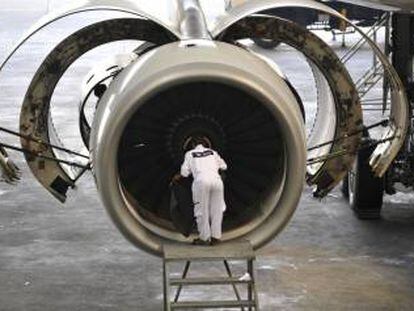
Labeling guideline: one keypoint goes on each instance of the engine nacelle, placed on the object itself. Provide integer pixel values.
(220, 91)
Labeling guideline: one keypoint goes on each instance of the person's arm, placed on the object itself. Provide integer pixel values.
(186, 168)
(222, 165)
(184, 172)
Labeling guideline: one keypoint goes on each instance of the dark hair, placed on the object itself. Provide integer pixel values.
(199, 140)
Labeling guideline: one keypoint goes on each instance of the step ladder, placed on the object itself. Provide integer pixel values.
(370, 79)
(376, 72)
(222, 253)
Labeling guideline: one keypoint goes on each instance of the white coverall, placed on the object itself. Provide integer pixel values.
(208, 189)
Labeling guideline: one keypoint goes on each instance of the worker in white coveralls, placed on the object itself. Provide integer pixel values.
(205, 164)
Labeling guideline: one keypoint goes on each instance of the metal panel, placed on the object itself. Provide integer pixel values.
(339, 107)
(386, 5)
(123, 6)
(35, 119)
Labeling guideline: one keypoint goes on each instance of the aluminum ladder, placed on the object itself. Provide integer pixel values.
(222, 253)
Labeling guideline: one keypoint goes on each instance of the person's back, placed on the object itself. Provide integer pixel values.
(205, 164)
(202, 163)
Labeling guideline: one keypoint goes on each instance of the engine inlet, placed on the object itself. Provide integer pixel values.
(236, 124)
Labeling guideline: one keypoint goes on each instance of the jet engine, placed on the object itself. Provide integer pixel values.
(193, 76)
(222, 92)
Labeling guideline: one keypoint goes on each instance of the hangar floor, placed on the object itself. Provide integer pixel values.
(73, 258)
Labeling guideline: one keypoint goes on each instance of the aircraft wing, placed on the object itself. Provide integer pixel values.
(386, 5)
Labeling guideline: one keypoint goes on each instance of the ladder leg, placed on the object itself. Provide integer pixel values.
(230, 274)
(180, 288)
(167, 304)
(252, 286)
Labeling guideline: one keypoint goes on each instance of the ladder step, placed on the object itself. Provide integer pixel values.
(211, 304)
(208, 281)
(240, 250)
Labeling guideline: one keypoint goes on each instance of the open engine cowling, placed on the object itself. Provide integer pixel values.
(223, 92)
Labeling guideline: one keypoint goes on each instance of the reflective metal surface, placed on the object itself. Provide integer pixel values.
(192, 22)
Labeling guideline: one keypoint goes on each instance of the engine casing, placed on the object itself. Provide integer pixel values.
(176, 69)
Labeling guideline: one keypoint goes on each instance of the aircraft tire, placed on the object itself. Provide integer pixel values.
(345, 188)
(365, 190)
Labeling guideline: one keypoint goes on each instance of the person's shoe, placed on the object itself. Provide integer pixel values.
(200, 242)
(214, 241)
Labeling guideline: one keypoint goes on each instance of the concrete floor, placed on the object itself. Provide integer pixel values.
(73, 258)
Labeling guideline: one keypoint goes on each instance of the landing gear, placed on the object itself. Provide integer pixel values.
(363, 189)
